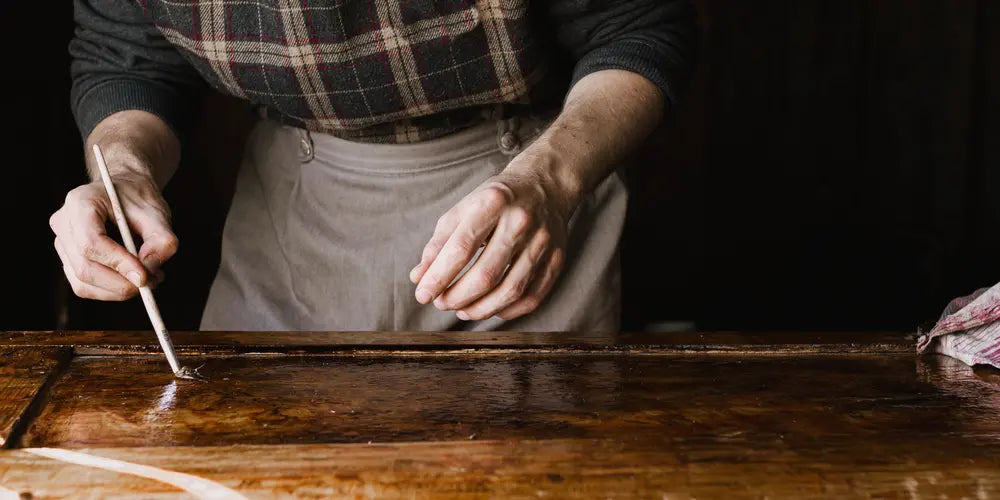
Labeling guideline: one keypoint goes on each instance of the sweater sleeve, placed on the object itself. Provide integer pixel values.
(120, 61)
(654, 38)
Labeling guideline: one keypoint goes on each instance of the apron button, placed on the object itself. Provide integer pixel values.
(508, 141)
(306, 147)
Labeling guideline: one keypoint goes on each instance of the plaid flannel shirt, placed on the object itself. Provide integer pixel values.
(373, 71)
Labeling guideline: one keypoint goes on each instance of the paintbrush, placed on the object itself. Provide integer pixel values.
(147, 295)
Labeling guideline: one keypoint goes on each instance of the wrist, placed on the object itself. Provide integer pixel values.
(553, 173)
(123, 160)
(136, 144)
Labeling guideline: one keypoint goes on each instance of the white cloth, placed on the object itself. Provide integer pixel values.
(969, 329)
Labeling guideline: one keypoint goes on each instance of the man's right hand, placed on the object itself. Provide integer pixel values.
(142, 154)
(97, 266)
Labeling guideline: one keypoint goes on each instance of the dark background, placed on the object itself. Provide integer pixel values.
(834, 167)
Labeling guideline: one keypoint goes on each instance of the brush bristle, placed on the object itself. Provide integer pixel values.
(189, 374)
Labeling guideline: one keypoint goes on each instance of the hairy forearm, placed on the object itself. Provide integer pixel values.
(607, 115)
(135, 142)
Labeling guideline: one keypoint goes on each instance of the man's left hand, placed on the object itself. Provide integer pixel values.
(521, 217)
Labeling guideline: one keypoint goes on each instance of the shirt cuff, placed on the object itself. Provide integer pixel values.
(111, 96)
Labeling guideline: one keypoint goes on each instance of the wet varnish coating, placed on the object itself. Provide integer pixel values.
(866, 401)
(501, 415)
(24, 375)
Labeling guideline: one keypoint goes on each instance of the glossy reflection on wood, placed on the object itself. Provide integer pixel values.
(796, 400)
(574, 416)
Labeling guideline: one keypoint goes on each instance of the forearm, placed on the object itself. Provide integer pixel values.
(132, 92)
(607, 115)
(135, 142)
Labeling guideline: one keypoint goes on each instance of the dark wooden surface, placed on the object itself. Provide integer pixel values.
(528, 415)
(466, 415)
(726, 467)
(24, 374)
(799, 401)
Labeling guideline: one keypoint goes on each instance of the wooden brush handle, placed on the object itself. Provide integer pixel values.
(147, 295)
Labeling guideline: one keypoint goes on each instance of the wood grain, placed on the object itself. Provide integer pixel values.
(656, 467)
(522, 415)
(89, 342)
(858, 399)
(24, 372)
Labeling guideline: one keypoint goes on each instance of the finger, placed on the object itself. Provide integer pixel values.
(155, 252)
(453, 257)
(88, 291)
(91, 242)
(159, 243)
(513, 286)
(157, 279)
(537, 292)
(442, 231)
(122, 291)
(480, 211)
(57, 221)
(91, 273)
(489, 269)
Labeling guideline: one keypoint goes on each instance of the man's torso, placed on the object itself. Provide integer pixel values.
(374, 71)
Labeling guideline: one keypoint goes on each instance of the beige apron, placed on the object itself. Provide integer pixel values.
(322, 233)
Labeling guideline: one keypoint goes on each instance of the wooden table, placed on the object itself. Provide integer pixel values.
(444, 415)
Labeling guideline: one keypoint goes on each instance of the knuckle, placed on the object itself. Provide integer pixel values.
(530, 303)
(481, 282)
(494, 196)
(514, 292)
(80, 194)
(464, 244)
(558, 258)
(170, 245)
(490, 276)
(72, 196)
(431, 249)
(79, 290)
(434, 282)
(434, 244)
(83, 274)
(520, 219)
(544, 237)
(535, 254)
(88, 247)
(445, 220)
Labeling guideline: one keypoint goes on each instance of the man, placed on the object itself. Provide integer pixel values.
(419, 165)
